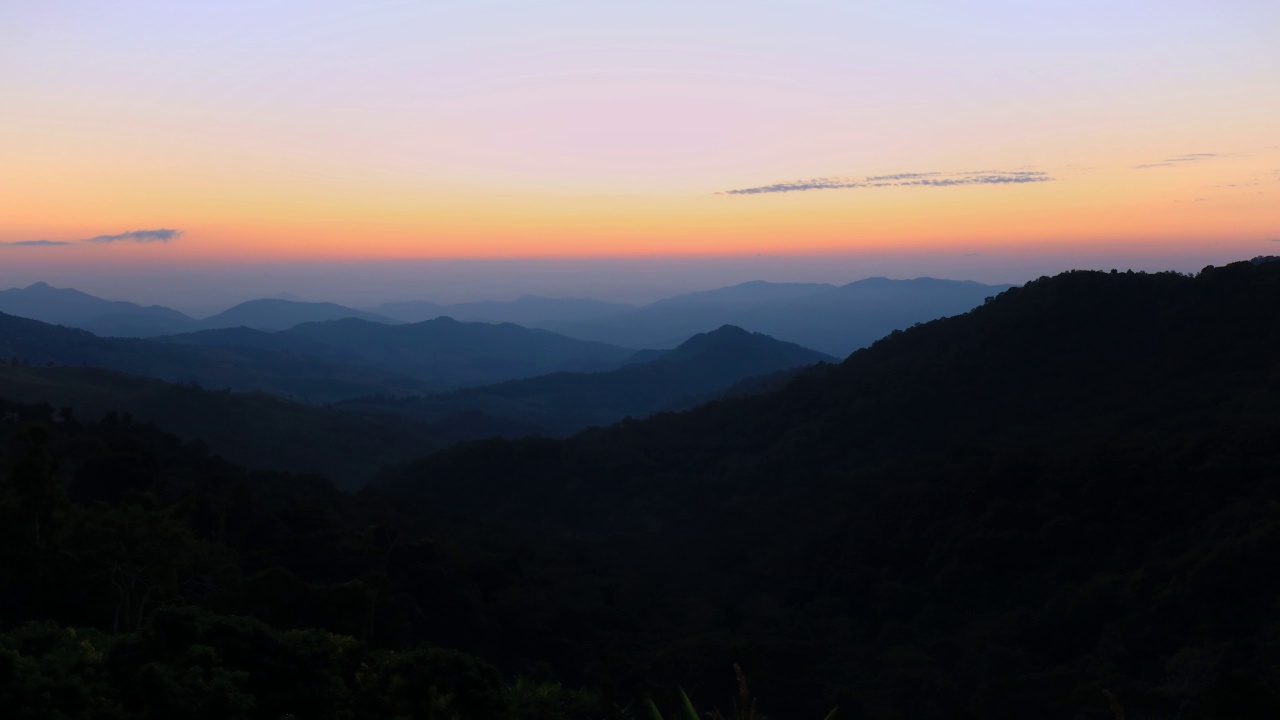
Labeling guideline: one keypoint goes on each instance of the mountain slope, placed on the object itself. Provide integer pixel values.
(564, 403)
(528, 310)
(451, 353)
(246, 337)
(748, 294)
(258, 430)
(134, 325)
(441, 352)
(1000, 514)
(236, 367)
(279, 314)
(66, 306)
(834, 320)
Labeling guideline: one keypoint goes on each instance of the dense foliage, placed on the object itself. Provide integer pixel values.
(1068, 495)
(1073, 488)
(141, 577)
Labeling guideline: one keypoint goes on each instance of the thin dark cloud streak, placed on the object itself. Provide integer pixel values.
(929, 179)
(901, 176)
(1179, 160)
(138, 236)
(161, 235)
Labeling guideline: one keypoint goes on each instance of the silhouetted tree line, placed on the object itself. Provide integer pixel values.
(141, 577)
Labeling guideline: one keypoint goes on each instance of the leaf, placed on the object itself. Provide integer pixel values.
(653, 709)
(689, 712)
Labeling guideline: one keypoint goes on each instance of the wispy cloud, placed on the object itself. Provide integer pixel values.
(1179, 160)
(162, 235)
(1273, 240)
(900, 176)
(35, 243)
(139, 236)
(928, 179)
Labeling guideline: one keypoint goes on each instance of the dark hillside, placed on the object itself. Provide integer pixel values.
(245, 337)
(253, 429)
(67, 306)
(141, 577)
(528, 310)
(283, 372)
(277, 314)
(834, 320)
(442, 353)
(564, 403)
(1073, 488)
(1000, 514)
(457, 354)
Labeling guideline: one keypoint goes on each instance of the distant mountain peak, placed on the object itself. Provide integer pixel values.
(728, 330)
(724, 332)
(734, 340)
(279, 314)
(70, 307)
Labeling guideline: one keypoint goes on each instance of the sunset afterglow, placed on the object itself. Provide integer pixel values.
(386, 130)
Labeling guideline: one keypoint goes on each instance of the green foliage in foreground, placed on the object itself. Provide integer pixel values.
(188, 663)
(142, 578)
(744, 706)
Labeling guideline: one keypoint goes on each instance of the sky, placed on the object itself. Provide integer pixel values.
(455, 150)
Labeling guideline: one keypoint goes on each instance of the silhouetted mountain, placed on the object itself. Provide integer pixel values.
(142, 577)
(644, 356)
(1060, 505)
(748, 294)
(277, 314)
(834, 320)
(259, 339)
(528, 310)
(451, 353)
(134, 325)
(564, 403)
(242, 368)
(1069, 489)
(259, 430)
(441, 352)
(66, 306)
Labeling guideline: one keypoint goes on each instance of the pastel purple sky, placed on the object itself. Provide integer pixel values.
(994, 140)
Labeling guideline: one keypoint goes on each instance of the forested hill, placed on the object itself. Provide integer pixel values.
(998, 514)
(280, 371)
(258, 430)
(703, 367)
(142, 578)
(1072, 489)
(1083, 345)
(834, 320)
